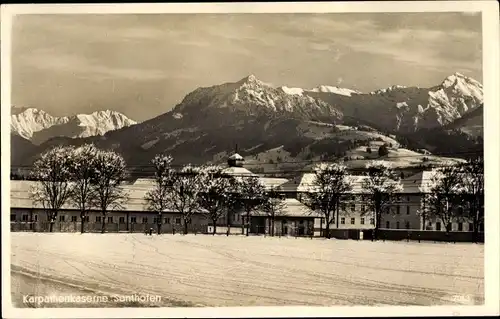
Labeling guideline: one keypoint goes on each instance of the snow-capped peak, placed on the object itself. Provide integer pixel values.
(458, 83)
(39, 126)
(335, 89)
(27, 121)
(253, 96)
(292, 91)
(389, 89)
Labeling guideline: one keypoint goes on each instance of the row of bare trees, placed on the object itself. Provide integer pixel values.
(453, 193)
(210, 191)
(85, 177)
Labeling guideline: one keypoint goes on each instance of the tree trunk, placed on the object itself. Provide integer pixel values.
(272, 229)
(378, 215)
(103, 229)
(214, 230)
(185, 227)
(51, 226)
(159, 228)
(82, 217)
(247, 225)
(327, 229)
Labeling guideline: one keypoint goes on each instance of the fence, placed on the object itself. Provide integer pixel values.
(108, 227)
(403, 234)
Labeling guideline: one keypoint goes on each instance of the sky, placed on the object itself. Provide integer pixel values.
(143, 65)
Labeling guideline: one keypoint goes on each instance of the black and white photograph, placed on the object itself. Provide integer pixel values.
(250, 156)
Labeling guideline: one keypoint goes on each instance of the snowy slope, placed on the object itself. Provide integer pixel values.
(39, 126)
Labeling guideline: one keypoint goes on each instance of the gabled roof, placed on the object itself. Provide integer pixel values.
(305, 183)
(293, 208)
(20, 196)
(419, 183)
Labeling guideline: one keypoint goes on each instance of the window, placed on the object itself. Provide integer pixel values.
(397, 225)
(87, 218)
(353, 220)
(342, 220)
(110, 219)
(12, 217)
(363, 208)
(343, 206)
(471, 227)
(155, 220)
(35, 217)
(438, 226)
(98, 219)
(407, 225)
(167, 220)
(387, 224)
(61, 218)
(133, 220)
(362, 220)
(122, 220)
(144, 220)
(25, 217)
(372, 221)
(398, 209)
(178, 220)
(460, 227)
(353, 207)
(73, 218)
(408, 210)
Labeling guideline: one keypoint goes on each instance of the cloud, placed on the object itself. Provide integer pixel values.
(49, 60)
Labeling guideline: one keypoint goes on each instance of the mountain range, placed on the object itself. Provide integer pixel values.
(39, 126)
(279, 128)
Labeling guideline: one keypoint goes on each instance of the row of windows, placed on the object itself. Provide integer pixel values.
(353, 220)
(460, 226)
(352, 207)
(388, 225)
(98, 219)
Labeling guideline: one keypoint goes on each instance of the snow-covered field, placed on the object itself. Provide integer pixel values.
(256, 271)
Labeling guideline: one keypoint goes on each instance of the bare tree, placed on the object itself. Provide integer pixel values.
(83, 172)
(252, 196)
(273, 206)
(157, 198)
(183, 193)
(53, 188)
(444, 196)
(110, 173)
(380, 188)
(331, 183)
(215, 196)
(472, 192)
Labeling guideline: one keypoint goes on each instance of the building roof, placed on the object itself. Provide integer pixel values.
(238, 171)
(421, 182)
(20, 196)
(305, 183)
(293, 208)
(236, 157)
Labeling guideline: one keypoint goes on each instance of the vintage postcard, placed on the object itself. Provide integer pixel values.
(250, 159)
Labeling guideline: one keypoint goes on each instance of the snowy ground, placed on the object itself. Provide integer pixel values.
(253, 271)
